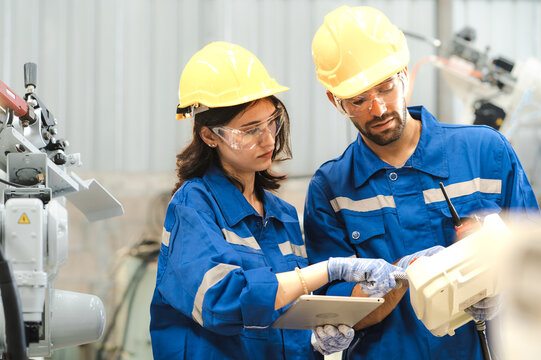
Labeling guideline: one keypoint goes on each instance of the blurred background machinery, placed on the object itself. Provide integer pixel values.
(496, 92)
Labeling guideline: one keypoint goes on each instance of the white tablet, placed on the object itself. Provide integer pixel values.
(309, 311)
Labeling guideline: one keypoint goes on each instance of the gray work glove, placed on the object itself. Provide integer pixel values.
(376, 276)
(329, 339)
(406, 260)
(485, 309)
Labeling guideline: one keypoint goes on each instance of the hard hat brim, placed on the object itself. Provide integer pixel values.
(239, 100)
(368, 78)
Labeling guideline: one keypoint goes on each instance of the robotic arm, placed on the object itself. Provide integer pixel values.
(496, 92)
(34, 225)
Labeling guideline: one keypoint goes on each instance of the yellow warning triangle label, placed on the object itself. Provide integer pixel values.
(24, 219)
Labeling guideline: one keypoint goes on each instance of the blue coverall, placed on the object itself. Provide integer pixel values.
(216, 283)
(359, 205)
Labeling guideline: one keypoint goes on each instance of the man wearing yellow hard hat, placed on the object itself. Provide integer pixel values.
(381, 198)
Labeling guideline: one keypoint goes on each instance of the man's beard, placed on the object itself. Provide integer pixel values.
(387, 136)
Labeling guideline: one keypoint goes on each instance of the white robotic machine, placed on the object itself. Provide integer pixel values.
(34, 230)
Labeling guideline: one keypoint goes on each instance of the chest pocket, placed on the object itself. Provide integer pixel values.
(247, 248)
(464, 207)
(366, 234)
(252, 259)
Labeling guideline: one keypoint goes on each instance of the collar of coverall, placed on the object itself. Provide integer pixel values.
(234, 205)
(430, 155)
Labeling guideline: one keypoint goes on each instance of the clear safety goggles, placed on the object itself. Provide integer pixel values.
(249, 138)
(386, 92)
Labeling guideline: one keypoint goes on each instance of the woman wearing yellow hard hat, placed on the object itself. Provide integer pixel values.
(232, 255)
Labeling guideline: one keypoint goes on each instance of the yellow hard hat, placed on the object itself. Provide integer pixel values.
(357, 48)
(223, 74)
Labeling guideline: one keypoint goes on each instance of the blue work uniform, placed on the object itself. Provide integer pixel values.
(216, 284)
(358, 205)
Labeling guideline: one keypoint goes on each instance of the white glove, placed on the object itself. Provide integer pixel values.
(329, 339)
(376, 276)
(406, 260)
(485, 309)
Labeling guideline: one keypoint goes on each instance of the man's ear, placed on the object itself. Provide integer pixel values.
(330, 96)
(332, 99)
(210, 138)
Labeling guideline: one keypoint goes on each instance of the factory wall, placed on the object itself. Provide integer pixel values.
(109, 70)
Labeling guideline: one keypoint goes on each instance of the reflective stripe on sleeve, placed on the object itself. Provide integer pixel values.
(364, 205)
(166, 235)
(488, 186)
(233, 238)
(211, 278)
(288, 248)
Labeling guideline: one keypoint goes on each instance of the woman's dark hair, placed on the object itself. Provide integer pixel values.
(195, 159)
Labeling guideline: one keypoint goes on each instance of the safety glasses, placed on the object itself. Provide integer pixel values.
(249, 138)
(386, 92)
